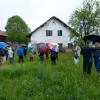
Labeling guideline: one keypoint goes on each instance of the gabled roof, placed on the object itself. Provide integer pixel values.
(2, 34)
(55, 18)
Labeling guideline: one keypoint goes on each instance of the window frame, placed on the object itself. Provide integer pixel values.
(59, 32)
(49, 33)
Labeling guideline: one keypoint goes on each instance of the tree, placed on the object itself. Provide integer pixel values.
(17, 29)
(86, 20)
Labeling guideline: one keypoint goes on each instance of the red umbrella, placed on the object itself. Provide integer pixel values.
(42, 47)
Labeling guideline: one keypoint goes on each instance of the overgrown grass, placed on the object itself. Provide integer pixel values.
(34, 81)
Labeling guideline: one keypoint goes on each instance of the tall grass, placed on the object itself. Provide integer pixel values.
(34, 81)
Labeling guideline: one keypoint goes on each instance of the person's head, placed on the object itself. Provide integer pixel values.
(97, 44)
(9, 48)
(89, 43)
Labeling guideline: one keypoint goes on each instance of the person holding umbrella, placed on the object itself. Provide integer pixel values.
(54, 52)
(41, 50)
(53, 57)
(87, 53)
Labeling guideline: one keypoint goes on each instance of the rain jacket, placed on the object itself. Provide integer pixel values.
(20, 51)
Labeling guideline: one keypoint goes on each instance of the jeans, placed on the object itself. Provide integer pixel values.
(41, 59)
(98, 66)
(11, 60)
(53, 60)
(20, 59)
(87, 67)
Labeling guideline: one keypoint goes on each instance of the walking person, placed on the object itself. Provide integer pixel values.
(87, 53)
(76, 51)
(97, 56)
(20, 54)
(11, 55)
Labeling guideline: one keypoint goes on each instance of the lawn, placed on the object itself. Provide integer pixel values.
(34, 81)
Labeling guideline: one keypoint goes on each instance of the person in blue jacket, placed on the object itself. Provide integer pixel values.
(87, 53)
(20, 54)
(97, 56)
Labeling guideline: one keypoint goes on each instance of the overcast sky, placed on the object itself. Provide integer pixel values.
(36, 12)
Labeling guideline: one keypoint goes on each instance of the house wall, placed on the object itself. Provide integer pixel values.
(40, 35)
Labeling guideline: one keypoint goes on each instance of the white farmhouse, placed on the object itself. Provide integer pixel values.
(52, 31)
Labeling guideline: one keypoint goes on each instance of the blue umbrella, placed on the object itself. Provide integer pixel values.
(3, 45)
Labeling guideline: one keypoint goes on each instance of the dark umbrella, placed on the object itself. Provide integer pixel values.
(23, 45)
(94, 38)
(42, 47)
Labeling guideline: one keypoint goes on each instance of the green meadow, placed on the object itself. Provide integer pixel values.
(34, 81)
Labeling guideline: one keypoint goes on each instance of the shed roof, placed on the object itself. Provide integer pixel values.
(2, 34)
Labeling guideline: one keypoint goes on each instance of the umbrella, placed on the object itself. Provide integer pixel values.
(3, 45)
(53, 47)
(50, 46)
(55, 44)
(94, 38)
(23, 45)
(42, 47)
(32, 47)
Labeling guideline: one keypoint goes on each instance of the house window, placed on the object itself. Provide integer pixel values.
(59, 32)
(48, 32)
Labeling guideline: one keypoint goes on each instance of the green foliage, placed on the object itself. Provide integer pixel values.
(86, 20)
(34, 81)
(17, 29)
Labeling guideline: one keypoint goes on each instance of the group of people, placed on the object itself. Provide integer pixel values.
(91, 53)
(9, 52)
(23, 52)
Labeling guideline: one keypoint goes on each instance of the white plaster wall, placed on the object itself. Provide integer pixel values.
(40, 35)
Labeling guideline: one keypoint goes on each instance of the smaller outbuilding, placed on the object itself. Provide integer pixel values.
(3, 36)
